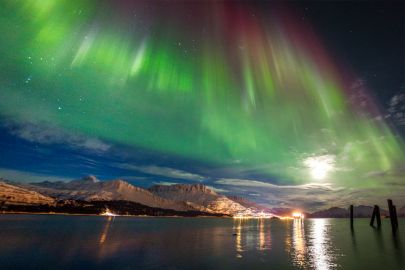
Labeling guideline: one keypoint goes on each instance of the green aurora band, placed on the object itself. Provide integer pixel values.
(245, 92)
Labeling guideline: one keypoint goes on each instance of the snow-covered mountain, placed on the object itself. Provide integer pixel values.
(198, 196)
(17, 195)
(91, 189)
(248, 204)
(180, 197)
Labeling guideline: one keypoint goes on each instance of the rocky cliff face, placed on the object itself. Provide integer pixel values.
(198, 196)
(10, 194)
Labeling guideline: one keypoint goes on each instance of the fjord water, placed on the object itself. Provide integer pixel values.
(87, 242)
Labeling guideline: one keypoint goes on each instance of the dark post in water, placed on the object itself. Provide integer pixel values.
(376, 215)
(351, 216)
(393, 216)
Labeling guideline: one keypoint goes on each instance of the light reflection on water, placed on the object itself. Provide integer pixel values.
(320, 245)
(264, 235)
(105, 231)
(311, 251)
(311, 248)
(251, 234)
(299, 247)
(55, 242)
(238, 242)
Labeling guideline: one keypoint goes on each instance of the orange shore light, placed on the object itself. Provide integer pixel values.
(297, 215)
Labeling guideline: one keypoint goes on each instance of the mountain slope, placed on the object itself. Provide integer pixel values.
(91, 189)
(11, 194)
(199, 196)
(248, 204)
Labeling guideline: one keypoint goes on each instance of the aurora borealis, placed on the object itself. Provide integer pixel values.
(230, 94)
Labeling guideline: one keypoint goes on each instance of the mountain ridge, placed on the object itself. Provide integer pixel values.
(90, 189)
(177, 197)
(199, 196)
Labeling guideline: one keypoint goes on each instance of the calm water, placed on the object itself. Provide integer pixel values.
(73, 242)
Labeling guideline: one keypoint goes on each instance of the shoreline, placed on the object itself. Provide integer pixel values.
(97, 215)
(149, 216)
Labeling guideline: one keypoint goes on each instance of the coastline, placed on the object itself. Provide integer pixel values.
(98, 215)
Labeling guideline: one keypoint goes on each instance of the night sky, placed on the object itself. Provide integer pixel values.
(298, 104)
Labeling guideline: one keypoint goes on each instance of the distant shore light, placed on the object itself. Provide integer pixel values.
(297, 215)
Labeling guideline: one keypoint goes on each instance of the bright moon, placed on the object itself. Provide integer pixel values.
(320, 166)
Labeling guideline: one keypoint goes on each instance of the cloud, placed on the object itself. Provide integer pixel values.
(375, 174)
(162, 171)
(47, 134)
(164, 183)
(218, 190)
(396, 109)
(311, 196)
(397, 171)
(29, 177)
(260, 184)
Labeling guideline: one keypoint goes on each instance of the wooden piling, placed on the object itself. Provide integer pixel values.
(376, 215)
(395, 216)
(392, 211)
(372, 218)
(351, 216)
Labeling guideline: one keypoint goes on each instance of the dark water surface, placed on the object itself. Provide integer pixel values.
(85, 242)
